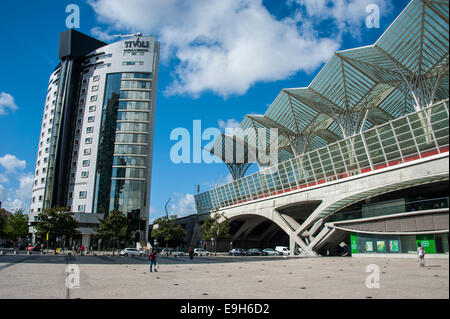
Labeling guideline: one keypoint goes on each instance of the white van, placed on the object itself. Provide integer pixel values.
(283, 250)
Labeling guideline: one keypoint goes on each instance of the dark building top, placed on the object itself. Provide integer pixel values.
(76, 44)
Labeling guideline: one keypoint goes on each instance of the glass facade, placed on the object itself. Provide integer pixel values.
(123, 148)
(408, 138)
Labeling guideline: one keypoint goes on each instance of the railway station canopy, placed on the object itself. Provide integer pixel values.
(404, 71)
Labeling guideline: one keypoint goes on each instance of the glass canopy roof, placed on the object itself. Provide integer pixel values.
(406, 70)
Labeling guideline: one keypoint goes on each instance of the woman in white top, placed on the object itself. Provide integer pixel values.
(421, 253)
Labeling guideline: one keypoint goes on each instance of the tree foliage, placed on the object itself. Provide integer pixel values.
(115, 227)
(167, 230)
(17, 226)
(56, 222)
(215, 227)
(3, 222)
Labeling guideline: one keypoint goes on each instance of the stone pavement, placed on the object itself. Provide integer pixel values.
(221, 277)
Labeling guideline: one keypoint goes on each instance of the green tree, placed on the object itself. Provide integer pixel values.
(17, 226)
(3, 222)
(168, 230)
(214, 228)
(115, 227)
(56, 222)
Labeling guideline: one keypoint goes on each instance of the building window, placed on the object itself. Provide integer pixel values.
(88, 140)
(76, 142)
(93, 98)
(84, 174)
(82, 194)
(86, 163)
(84, 81)
(40, 198)
(87, 151)
(81, 208)
(74, 164)
(91, 119)
(96, 78)
(33, 199)
(92, 108)
(75, 153)
(94, 88)
(83, 91)
(89, 129)
(42, 180)
(70, 194)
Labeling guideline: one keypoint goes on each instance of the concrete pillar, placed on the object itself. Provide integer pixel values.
(291, 245)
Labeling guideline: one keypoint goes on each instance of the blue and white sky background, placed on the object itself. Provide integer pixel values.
(220, 60)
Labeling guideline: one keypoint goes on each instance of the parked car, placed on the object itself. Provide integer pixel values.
(131, 251)
(201, 252)
(177, 253)
(237, 252)
(166, 251)
(254, 252)
(283, 250)
(270, 252)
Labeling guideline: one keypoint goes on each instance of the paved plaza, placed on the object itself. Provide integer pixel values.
(221, 277)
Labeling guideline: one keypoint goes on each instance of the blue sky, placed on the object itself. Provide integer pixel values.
(220, 60)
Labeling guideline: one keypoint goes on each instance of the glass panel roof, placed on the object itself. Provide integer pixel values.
(405, 70)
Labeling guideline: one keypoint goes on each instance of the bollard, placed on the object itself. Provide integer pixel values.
(15, 252)
(42, 253)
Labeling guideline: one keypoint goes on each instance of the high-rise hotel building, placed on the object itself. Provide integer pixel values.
(96, 141)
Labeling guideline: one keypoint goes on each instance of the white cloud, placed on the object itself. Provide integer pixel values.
(220, 46)
(3, 178)
(7, 102)
(182, 205)
(15, 198)
(102, 35)
(229, 126)
(343, 16)
(11, 163)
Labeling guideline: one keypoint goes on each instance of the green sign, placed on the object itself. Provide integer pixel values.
(353, 243)
(393, 245)
(427, 242)
(381, 245)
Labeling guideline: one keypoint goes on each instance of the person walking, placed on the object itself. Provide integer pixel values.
(421, 253)
(153, 258)
(82, 250)
(191, 253)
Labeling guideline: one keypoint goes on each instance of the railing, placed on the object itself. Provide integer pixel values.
(414, 136)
